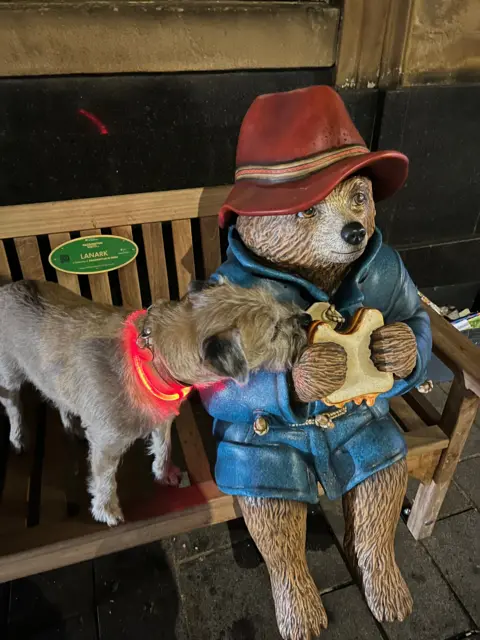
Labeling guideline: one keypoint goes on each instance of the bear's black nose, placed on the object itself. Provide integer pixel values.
(353, 233)
(305, 320)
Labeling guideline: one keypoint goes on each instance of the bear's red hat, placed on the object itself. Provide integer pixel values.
(295, 147)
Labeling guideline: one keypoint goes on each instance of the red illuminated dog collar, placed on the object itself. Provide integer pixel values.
(141, 358)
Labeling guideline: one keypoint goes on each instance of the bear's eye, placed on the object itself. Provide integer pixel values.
(359, 198)
(308, 213)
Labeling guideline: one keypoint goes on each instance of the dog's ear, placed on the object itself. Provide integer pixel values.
(224, 354)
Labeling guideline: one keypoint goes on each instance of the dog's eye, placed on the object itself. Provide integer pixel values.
(359, 198)
(308, 213)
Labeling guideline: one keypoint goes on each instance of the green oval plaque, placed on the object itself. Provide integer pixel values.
(93, 254)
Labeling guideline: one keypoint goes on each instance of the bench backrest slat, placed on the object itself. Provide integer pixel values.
(99, 283)
(29, 258)
(128, 275)
(68, 280)
(155, 256)
(184, 260)
(110, 211)
(4, 266)
(212, 255)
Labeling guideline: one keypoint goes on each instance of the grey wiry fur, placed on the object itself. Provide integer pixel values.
(71, 349)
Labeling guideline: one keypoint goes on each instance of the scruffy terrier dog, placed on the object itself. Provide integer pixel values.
(126, 374)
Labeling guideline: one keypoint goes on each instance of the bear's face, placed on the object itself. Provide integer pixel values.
(323, 240)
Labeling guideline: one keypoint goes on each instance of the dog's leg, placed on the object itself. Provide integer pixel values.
(372, 510)
(160, 447)
(10, 398)
(104, 461)
(71, 425)
(278, 528)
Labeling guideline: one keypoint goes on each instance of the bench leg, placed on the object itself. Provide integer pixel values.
(457, 419)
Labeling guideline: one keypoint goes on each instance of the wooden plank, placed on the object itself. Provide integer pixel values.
(48, 547)
(4, 266)
(426, 440)
(15, 495)
(128, 275)
(156, 264)
(422, 406)
(68, 280)
(53, 502)
(164, 37)
(423, 467)
(405, 415)
(99, 283)
(457, 419)
(29, 258)
(183, 246)
(455, 350)
(211, 252)
(196, 460)
(98, 213)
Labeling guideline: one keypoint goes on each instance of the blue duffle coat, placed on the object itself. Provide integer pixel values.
(294, 454)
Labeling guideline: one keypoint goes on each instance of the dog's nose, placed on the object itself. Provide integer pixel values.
(305, 320)
(353, 233)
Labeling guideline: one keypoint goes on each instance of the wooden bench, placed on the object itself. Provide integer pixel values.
(44, 519)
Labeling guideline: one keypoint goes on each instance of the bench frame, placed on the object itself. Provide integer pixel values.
(435, 441)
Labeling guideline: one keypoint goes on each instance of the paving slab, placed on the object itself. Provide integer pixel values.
(455, 546)
(472, 445)
(77, 628)
(47, 599)
(455, 501)
(208, 539)
(467, 476)
(348, 616)
(137, 595)
(437, 615)
(227, 594)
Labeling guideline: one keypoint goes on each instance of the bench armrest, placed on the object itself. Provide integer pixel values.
(455, 350)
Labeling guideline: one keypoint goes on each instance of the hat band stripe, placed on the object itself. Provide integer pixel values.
(298, 168)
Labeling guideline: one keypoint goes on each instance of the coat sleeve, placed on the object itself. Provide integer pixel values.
(405, 306)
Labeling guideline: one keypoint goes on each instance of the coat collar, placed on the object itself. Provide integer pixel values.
(348, 294)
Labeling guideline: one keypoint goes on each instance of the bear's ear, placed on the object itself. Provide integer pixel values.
(224, 354)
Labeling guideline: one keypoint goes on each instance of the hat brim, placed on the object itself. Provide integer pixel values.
(388, 171)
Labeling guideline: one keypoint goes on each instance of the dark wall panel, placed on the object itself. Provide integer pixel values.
(438, 128)
(78, 137)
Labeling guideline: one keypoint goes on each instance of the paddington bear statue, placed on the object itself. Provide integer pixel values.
(301, 220)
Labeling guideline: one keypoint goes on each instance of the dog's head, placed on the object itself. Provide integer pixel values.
(221, 330)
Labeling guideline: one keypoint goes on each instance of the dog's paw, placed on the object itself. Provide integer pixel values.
(109, 513)
(169, 475)
(299, 609)
(388, 596)
(19, 444)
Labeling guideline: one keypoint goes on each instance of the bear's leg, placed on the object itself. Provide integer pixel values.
(278, 528)
(372, 510)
